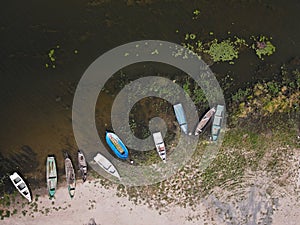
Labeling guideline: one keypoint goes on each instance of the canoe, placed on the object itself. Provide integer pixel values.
(204, 120)
(82, 165)
(21, 186)
(70, 175)
(160, 145)
(51, 175)
(180, 116)
(216, 126)
(105, 164)
(116, 145)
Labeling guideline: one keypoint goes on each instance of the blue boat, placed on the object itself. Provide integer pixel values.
(115, 143)
(180, 116)
(216, 126)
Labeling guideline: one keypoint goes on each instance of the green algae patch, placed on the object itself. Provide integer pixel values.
(263, 47)
(222, 51)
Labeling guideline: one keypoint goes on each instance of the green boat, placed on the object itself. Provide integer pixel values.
(51, 176)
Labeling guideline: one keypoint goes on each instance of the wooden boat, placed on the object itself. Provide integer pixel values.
(70, 175)
(105, 164)
(216, 127)
(82, 165)
(116, 145)
(180, 116)
(21, 186)
(204, 120)
(160, 145)
(51, 175)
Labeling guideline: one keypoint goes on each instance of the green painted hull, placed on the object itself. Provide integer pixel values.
(51, 176)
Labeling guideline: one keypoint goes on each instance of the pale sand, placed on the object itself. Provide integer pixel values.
(259, 197)
(107, 209)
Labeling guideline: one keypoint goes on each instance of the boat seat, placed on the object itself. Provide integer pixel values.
(217, 121)
(220, 110)
(21, 186)
(17, 180)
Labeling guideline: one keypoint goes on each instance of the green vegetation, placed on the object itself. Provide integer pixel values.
(222, 51)
(52, 58)
(263, 46)
(5, 200)
(267, 98)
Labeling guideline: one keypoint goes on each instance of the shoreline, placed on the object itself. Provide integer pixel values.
(99, 199)
(91, 200)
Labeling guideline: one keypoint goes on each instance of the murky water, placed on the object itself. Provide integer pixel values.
(36, 101)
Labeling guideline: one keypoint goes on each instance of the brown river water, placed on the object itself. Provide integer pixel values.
(36, 101)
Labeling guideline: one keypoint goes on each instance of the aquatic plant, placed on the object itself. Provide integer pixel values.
(266, 99)
(222, 51)
(199, 96)
(186, 87)
(51, 56)
(241, 95)
(196, 13)
(263, 46)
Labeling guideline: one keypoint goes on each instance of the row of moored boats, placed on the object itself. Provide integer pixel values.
(121, 151)
(51, 176)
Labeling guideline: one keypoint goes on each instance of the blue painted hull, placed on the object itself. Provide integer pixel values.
(216, 127)
(180, 116)
(116, 145)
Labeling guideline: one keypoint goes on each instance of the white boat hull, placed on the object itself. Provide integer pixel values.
(105, 164)
(160, 145)
(20, 185)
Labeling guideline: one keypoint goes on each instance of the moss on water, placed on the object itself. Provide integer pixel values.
(222, 51)
(263, 46)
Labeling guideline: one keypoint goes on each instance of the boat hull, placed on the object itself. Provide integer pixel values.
(51, 176)
(204, 121)
(106, 165)
(217, 123)
(70, 177)
(20, 185)
(180, 116)
(160, 146)
(82, 165)
(116, 145)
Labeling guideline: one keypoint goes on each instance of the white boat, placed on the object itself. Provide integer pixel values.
(160, 145)
(105, 164)
(204, 120)
(51, 175)
(20, 185)
(70, 176)
(82, 165)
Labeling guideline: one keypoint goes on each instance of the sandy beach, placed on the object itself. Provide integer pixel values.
(92, 200)
(245, 203)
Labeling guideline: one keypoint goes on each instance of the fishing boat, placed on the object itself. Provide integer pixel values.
(160, 145)
(216, 126)
(204, 120)
(105, 164)
(180, 116)
(116, 145)
(51, 176)
(82, 165)
(70, 175)
(21, 186)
